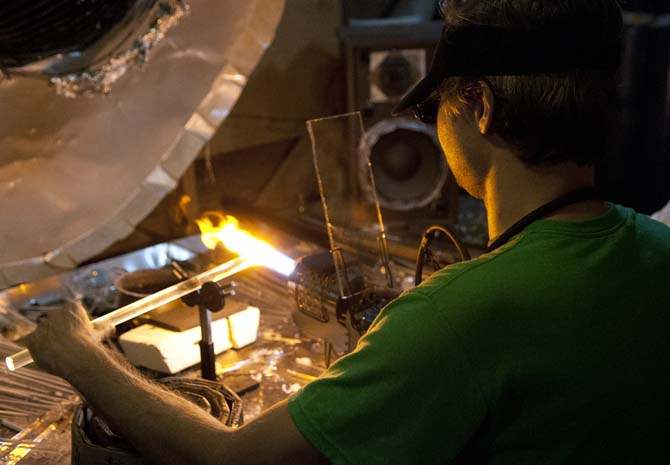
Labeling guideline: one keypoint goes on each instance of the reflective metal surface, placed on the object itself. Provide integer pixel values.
(77, 175)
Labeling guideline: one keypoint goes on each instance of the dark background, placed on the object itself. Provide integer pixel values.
(651, 6)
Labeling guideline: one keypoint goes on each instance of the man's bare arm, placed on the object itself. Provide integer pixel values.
(162, 426)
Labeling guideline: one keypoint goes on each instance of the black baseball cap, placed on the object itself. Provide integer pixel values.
(494, 51)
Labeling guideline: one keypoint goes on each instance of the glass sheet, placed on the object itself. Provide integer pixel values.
(353, 216)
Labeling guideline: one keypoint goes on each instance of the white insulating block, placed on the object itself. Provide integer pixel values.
(168, 351)
(244, 327)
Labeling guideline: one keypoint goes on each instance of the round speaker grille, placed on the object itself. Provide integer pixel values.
(395, 75)
(407, 162)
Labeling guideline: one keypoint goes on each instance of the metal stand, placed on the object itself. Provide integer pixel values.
(211, 297)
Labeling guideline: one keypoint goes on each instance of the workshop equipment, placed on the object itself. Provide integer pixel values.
(149, 303)
(168, 341)
(331, 288)
(252, 251)
(210, 298)
(78, 174)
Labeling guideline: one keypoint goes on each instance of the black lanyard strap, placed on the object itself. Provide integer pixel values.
(580, 195)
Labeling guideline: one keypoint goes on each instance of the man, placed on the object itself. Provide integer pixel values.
(548, 349)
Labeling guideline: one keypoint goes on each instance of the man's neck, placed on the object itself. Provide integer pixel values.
(512, 190)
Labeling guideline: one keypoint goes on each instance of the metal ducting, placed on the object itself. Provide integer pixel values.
(31, 31)
(77, 174)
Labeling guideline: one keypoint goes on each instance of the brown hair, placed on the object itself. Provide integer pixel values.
(543, 118)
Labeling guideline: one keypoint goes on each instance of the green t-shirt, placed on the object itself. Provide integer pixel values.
(550, 350)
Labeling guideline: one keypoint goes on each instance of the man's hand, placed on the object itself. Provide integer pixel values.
(164, 427)
(61, 341)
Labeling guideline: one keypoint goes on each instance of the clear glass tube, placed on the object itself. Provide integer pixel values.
(151, 302)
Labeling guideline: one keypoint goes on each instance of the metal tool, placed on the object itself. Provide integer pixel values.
(210, 298)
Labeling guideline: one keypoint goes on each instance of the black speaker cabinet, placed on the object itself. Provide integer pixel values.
(385, 59)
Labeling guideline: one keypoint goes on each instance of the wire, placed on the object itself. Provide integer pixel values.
(424, 249)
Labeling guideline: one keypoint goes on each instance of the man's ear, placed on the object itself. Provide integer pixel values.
(484, 108)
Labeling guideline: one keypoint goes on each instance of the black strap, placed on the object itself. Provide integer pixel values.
(570, 198)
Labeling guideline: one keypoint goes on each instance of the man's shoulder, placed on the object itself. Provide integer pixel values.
(474, 276)
(550, 257)
(651, 237)
(654, 227)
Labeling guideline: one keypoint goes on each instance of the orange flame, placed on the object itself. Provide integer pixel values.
(216, 228)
